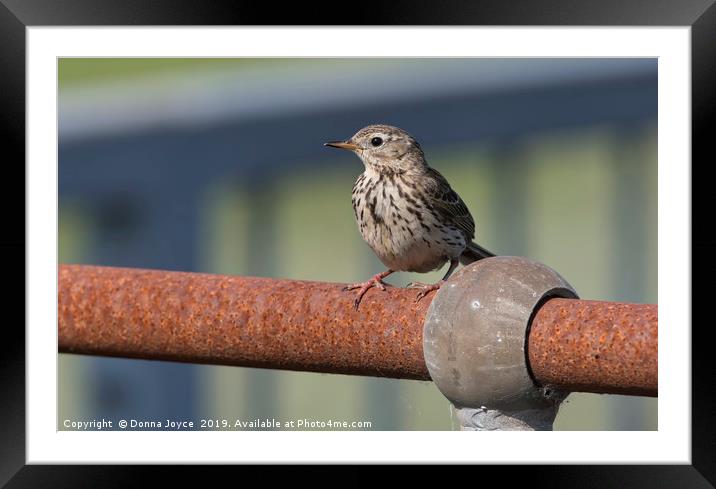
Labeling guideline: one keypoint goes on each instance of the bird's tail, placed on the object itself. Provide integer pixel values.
(474, 252)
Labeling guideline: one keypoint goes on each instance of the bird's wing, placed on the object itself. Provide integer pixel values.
(448, 203)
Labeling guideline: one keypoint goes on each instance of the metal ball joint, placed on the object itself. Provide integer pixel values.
(475, 339)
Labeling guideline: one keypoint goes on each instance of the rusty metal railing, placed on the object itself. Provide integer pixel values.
(569, 344)
(591, 346)
(244, 321)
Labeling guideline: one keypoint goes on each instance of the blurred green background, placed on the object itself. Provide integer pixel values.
(216, 165)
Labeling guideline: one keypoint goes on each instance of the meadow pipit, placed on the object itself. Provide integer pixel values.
(406, 211)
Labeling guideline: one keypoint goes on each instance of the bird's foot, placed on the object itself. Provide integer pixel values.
(426, 288)
(374, 281)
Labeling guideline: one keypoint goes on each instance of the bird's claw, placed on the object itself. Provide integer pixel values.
(374, 283)
(380, 285)
(426, 288)
(364, 286)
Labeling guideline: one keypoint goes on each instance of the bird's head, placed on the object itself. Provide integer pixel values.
(385, 149)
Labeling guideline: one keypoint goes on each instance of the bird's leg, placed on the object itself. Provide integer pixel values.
(427, 288)
(375, 281)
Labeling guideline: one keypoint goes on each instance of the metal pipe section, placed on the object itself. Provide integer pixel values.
(251, 322)
(573, 345)
(592, 346)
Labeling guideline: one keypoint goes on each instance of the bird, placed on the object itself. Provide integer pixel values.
(406, 210)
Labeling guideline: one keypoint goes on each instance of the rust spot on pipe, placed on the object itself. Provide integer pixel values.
(254, 322)
(592, 346)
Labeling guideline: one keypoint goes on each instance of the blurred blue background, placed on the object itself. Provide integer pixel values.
(217, 165)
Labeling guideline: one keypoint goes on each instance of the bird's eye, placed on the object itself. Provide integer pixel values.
(376, 142)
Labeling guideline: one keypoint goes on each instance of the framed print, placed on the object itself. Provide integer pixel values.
(193, 165)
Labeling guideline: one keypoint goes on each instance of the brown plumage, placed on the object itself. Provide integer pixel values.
(406, 211)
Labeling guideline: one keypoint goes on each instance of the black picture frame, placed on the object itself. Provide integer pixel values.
(16, 15)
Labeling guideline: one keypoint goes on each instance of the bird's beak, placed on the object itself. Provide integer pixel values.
(342, 145)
